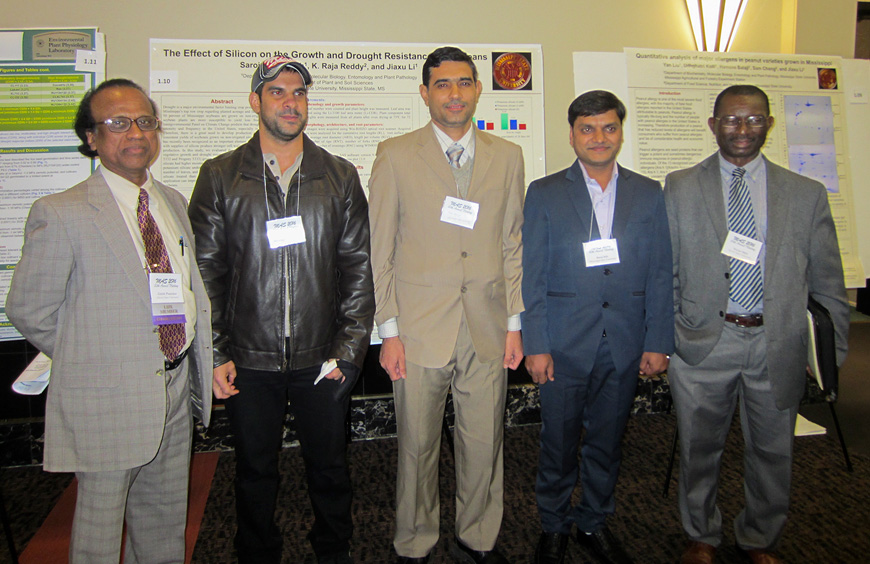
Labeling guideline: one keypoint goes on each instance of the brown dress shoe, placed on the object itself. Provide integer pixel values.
(758, 556)
(698, 553)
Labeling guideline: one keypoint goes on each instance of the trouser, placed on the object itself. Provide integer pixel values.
(479, 394)
(705, 397)
(256, 416)
(599, 402)
(152, 498)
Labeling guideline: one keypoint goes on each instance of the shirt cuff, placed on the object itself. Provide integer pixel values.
(514, 323)
(389, 328)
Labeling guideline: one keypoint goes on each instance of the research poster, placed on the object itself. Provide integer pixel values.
(43, 75)
(362, 94)
(670, 96)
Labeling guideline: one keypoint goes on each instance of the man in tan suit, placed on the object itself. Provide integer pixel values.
(118, 412)
(446, 215)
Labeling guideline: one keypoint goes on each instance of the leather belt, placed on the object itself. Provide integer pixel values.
(753, 320)
(173, 364)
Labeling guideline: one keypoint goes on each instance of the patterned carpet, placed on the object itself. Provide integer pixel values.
(828, 524)
(828, 521)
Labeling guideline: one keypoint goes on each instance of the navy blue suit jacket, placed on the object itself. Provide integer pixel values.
(569, 305)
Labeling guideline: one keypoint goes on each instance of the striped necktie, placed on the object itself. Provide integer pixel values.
(746, 279)
(454, 153)
(172, 336)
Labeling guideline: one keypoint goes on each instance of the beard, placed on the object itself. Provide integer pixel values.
(283, 131)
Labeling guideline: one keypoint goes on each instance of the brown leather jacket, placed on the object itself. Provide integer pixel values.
(328, 276)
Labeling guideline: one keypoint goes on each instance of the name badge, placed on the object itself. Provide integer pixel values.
(167, 301)
(601, 252)
(741, 247)
(459, 212)
(285, 231)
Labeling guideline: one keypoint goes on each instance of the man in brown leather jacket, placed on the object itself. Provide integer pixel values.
(282, 238)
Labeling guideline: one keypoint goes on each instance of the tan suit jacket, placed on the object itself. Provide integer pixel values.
(80, 295)
(429, 273)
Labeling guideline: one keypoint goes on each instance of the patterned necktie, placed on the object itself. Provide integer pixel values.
(172, 336)
(454, 153)
(746, 279)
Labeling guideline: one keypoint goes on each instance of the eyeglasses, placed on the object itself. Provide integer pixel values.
(733, 122)
(121, 124)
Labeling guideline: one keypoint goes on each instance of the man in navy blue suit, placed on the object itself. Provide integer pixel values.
(598, 291)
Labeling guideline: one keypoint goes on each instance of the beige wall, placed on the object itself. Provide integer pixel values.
(826, 27)
(560, 26)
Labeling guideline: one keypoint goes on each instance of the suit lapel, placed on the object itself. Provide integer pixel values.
(483, 155)
(778, 205)
(624, 202)
(711, 188)
(114, 230)
(430, 152)
(177, 209)
(579, 196)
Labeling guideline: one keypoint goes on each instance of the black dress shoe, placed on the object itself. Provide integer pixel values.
(604, 546)
(551, 548)
(412, 560)
(467, 556)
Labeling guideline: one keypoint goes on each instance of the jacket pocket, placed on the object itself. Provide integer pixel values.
(562, 294)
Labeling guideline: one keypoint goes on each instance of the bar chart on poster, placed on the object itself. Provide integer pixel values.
(362, 94)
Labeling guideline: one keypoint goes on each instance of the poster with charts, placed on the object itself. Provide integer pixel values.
(362, 94)
(670, 96)
(44, 73)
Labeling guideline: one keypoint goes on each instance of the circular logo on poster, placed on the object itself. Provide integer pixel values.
(512, 71)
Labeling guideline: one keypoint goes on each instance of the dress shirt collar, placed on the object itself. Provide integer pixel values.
(127, 192)
(590, 182)
(603, 200)
(467, 143)
(754, 168)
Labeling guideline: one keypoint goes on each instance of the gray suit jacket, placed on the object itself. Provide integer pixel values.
(427, 272)
(802, 258)
(80, 295)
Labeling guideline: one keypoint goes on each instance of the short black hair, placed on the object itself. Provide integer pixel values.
(443, 54)
(85, 117)
(741, 90)
(593, 103)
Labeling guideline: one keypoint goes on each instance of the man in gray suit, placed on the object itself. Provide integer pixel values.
(108, 288)
(751, 240)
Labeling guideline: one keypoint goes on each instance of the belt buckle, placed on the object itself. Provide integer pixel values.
(173, 364)
(748, 320)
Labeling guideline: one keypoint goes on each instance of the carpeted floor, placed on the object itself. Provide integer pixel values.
(50, 544)
(828, 521)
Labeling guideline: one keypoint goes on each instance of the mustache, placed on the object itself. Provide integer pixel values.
(749, 137)
(290, 112)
